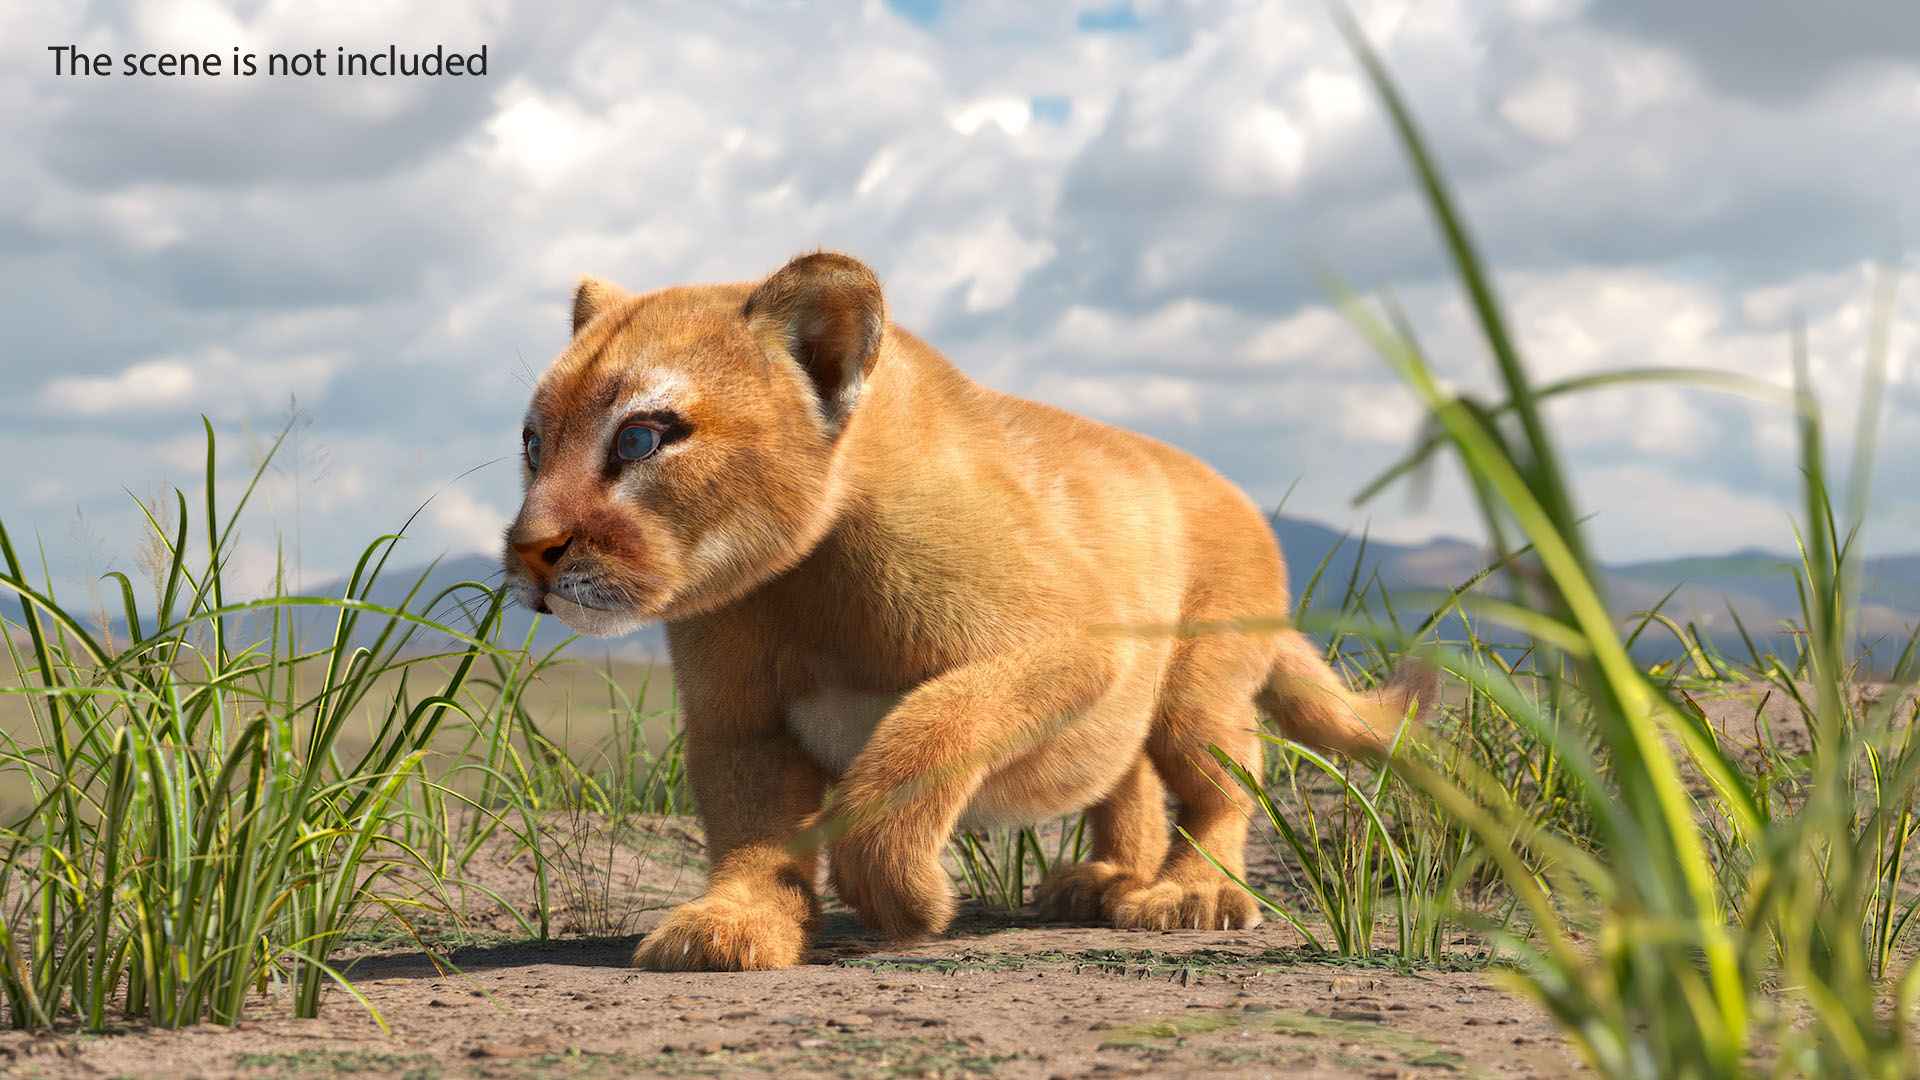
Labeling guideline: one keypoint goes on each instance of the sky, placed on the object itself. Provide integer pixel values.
(1115, 208)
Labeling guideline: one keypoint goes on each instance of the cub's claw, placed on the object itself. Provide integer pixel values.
(720, 934)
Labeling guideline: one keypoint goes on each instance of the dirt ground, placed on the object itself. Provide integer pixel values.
(998, 997)
(1001, 994)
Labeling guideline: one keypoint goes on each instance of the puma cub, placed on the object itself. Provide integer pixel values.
(882, 579)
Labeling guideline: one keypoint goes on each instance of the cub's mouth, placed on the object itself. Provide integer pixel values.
(588, 595)
(585, 601)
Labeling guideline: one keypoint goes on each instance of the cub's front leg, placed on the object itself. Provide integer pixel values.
(760, 908)
(907, 788)
(757, 790)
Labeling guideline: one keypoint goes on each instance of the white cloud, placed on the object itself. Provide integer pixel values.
(1315, 335)
(1641, 509)
(1377, 415)
(544, 138)
(1265, 151)
(464, 523)
(990, 262)
(1123, 400)
(1010, 114)
(1547, 109)
(155, 384)
(217, 381)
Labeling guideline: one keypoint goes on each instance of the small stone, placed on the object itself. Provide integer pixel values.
(852, 1020)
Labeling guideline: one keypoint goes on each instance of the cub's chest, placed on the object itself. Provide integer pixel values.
(833, 725)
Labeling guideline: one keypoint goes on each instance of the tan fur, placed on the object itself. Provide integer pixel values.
(880, 576)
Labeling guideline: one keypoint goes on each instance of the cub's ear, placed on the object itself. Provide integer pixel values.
(591, 297)
(824, 311)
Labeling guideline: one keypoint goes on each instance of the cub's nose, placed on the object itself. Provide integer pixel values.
(540, 555)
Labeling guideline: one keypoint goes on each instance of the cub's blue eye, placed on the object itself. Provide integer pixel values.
(635, 441)
(533, 452)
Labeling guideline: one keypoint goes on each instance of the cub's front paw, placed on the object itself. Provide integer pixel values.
(1171, 904)
(1081, 892)
(894, 887)
(722, 934)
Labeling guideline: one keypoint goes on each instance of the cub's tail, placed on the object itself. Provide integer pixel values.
(1314, 706)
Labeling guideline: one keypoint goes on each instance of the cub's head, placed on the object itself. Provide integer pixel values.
(680, 450)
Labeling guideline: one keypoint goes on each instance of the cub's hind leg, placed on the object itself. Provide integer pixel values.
(1129, 843)
(1207, 699)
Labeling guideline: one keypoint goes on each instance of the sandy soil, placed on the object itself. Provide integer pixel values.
(1000, 995)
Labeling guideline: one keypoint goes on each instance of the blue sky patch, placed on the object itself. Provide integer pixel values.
(1119, 17)
(1051, 108)
(924, 12)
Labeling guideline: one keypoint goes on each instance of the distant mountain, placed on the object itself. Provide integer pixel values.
(1757, 585)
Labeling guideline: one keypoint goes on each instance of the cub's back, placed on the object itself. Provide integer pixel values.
(1154, 521)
